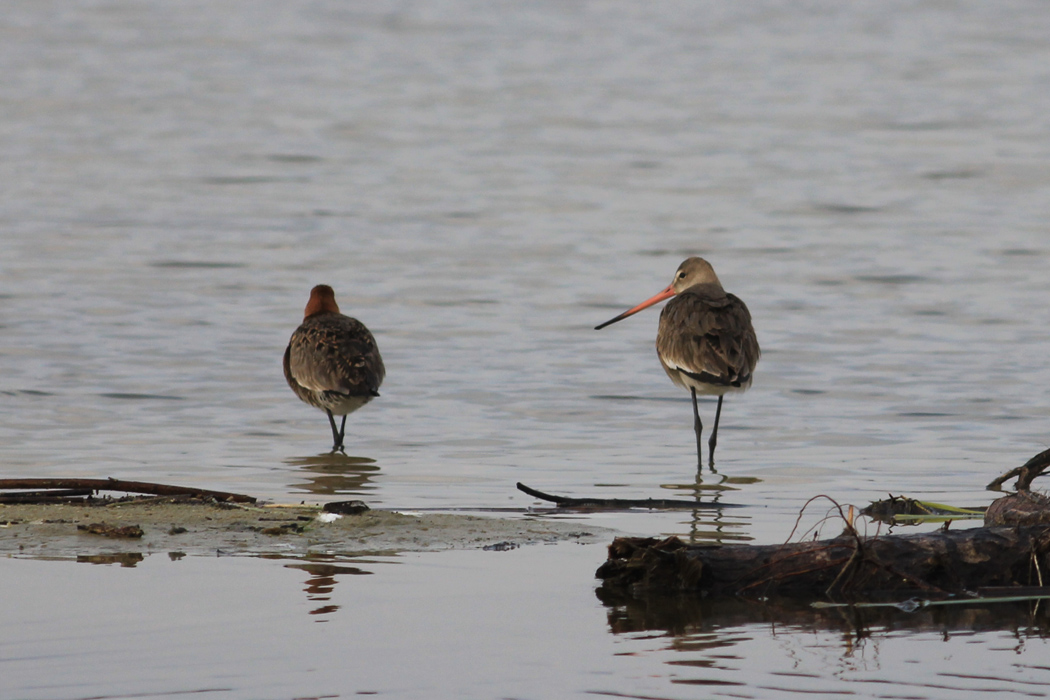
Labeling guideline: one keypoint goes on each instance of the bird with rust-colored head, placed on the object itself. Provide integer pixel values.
(332, 361)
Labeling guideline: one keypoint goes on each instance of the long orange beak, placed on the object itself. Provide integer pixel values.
(665, 294)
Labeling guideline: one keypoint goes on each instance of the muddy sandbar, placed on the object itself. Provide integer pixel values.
(198, 528)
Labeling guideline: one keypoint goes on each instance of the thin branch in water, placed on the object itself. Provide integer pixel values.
(652, 503)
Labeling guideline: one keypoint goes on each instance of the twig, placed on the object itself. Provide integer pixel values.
(1021, 596)
(654, 503)
(784, 575)
(858, 555)
(861, 553)
(1026, 473)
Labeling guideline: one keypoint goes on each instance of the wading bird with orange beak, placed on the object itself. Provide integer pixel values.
(332, 361)
(705, 341)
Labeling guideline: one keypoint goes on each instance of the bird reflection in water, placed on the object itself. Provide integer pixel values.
(721, 525)
(322, 580)
(334, 473)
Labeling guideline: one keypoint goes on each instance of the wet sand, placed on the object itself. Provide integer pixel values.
(194, 528)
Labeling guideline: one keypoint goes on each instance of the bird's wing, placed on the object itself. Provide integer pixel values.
(711, 337)
(335, 353)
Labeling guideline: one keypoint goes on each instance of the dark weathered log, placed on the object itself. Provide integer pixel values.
(47, 496)
(654, 503)
(1012, 551)
(934, 564)
(1026, 508)
(121, 485)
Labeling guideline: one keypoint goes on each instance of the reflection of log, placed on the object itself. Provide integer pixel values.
(689, 614)
(933, 564)
(88, 485)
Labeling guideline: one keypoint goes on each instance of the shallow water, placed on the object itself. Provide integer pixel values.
(482, 183)
(474, 624)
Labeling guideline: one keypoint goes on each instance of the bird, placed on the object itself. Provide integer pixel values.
(332, 361)
(705, 341)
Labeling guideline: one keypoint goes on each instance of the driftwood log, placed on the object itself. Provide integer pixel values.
(1025, 508)
(44, 490)
(932, 565)
(1010, 555)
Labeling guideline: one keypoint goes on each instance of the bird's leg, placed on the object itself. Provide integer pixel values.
(337, 437)
(714, 436)
(699, 428)
(342, 429)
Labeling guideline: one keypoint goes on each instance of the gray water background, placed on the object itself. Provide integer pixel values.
(482, 183)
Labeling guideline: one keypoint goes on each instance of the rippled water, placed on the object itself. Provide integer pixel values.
(482, 183)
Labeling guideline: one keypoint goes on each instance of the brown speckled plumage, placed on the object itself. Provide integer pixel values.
(705, 338)
(332, 361)
(705, 342)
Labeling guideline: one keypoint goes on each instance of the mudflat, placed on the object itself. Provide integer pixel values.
(187, 527)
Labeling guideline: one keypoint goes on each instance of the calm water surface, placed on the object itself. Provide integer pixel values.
(513, 624)
(482, 183)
